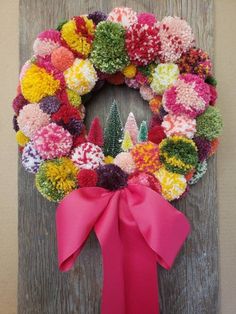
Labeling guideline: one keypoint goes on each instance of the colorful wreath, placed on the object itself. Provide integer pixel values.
(73, 61)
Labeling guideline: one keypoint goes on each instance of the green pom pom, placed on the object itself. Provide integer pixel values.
(211, 81)
(60, 24)
(200, 171)
(209, 124)
(108, 51)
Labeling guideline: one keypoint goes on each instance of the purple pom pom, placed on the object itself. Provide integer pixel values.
(203, 146)
(111, 177)
(50, 104)
(97, 16)
(18, 103)
(15, 123)
(74, 126)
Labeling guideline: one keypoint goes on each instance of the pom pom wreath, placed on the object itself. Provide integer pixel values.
(214, 95)
(145, 179)
(132, 127)
(156, 134)
(50, 104)
(155, 104)
(195, 61)
(127, 143)
(38, 83)
(146, 92)
(31, 160)
(142, 43)
(130, 71)
(21, 138)
(108, 54)
(178, 154)
(111, 177)
(81, 76)
(146, 157)
(74, 98)
(18, 103)
(147, 18)
(52, 141)
(15, 123)
(189, 95)
(95, 135)
(62, 58)
(176, 38)
(78, 34)
(31, 118)
(97, 17)
(87, 156)
(201, 169)
(214, 146)
(46, 42)
(56, 178)
(209, 124)
(164, 75)
(179, 125)
(125, 161)
(116, 78)
(125, 16)
(173, 185)
(87, 177)
(203, 147)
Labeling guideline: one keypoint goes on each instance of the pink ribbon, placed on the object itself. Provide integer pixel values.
(136, 229)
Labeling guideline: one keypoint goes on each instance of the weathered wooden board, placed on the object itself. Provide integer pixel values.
(192, 285)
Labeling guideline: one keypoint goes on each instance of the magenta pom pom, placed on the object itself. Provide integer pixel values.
(46, 42)
(147, 18)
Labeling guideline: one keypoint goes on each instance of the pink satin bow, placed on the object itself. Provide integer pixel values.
(136, 229)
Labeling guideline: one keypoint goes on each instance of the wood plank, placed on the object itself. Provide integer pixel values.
(192, 285)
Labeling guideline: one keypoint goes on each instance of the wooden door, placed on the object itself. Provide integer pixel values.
(191, 287)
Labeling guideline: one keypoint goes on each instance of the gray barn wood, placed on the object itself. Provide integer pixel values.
(191, 287)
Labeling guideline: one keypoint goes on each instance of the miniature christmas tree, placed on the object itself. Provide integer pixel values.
(113, 132)
(95, 135)
(143, 132)
(131, 127)
(127, 143)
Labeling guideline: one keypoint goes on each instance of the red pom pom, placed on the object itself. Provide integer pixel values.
(156, 134)
(116, 79)
(87, 177)
(95, 135)
(65, 113)
(79, 139)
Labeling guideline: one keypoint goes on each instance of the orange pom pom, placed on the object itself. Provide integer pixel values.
(62, 58)
(155, 104)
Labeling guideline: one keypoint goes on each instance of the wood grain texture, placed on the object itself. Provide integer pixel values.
(191, 287)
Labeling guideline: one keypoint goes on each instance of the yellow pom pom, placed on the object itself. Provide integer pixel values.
(108, 159)
(74, 98)
(129, 71)
(38, 83)
(21, 139)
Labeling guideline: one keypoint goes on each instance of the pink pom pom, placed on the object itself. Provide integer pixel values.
(46, 42)
(147, 18)
(146, 92)
(214, 95)
(31, 118)
(62, 58)
(52, 141)
(125, 162)
(145, 179)
(179, 125)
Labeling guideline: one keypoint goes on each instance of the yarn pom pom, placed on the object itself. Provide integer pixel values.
(81, 76)
(18, 103)
(145, 179)
(38, 83)
(179, 125)
(142, 43)
(108, 54)
(164, 75)
(173, 185)
(125, 16)
(78, 34)
(178, 154)
(56, 178)
(214, 95)
(52, 141)
(21, 139)
(50, 104)
(214, 146)
(195, 61)
(97, 17)
(209, 124)
(15, 123)
(189, 95)
(129, 71)
(201, 169)
(146, 157)
(31, 118)
(156, 134)
(116, 78)
(146, 92)
(74, 98)
(46, 42)
(87, 156)
(176, 38)
(111, 177)
(155, 104)
(125, 161)
(146, 18)
(203, 148)
(87, 177)
(62, 58)
(31, 160)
